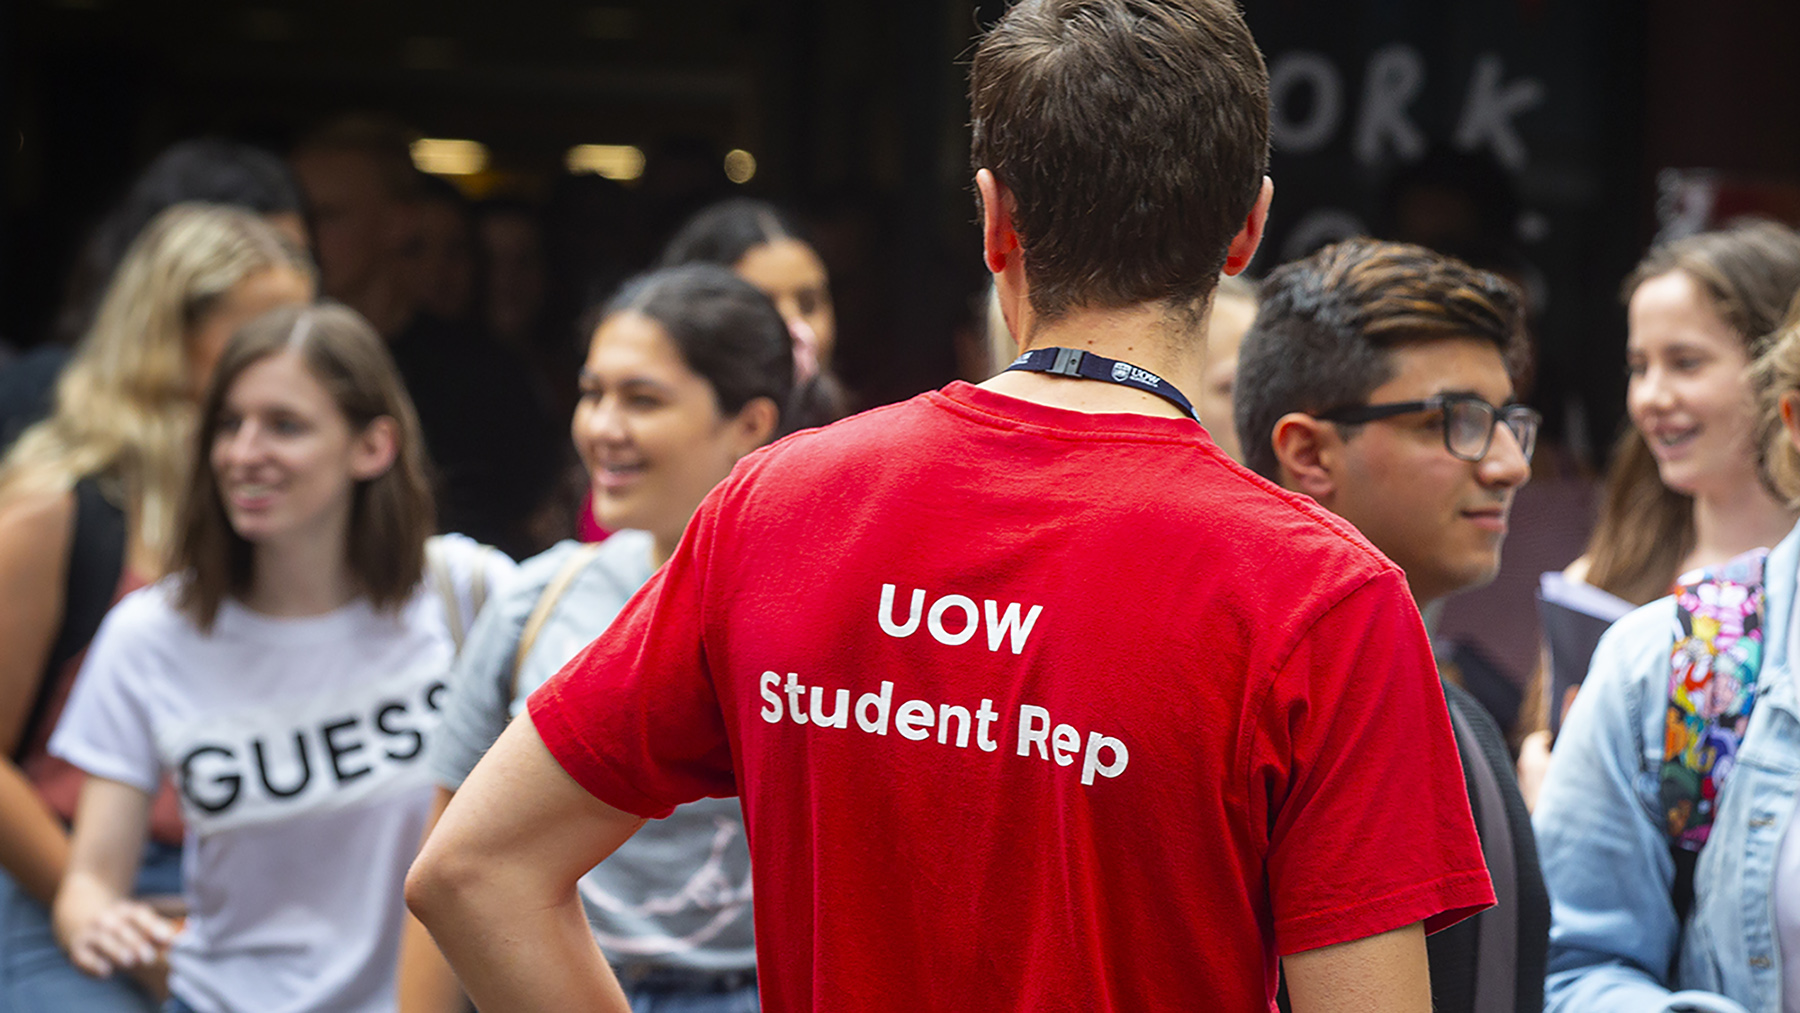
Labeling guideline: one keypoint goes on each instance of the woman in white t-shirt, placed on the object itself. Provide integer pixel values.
(286, 676)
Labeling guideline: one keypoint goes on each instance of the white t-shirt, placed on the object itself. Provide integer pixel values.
(297, 746)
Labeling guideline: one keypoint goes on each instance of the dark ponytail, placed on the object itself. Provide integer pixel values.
(722, 233)
(818, 400)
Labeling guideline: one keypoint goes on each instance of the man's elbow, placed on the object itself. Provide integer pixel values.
(441, 883)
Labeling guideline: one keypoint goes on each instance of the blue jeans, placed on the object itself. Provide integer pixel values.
(35, 974)
(645, 1000)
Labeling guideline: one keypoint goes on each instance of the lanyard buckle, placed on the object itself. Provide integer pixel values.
(1068, 362)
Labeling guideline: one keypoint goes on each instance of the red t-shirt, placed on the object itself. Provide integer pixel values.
(1032, 709)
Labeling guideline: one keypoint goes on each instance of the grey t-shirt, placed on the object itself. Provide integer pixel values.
(677, 895)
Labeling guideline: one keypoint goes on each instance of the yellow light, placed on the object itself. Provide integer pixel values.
(740, 165)
(614, 161)
(443, 157)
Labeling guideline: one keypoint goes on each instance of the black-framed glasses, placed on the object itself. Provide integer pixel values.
(1468, 421)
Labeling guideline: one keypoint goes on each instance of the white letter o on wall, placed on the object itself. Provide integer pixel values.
(1303, 69)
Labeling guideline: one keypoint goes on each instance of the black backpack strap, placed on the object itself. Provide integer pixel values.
(1497, 940)
(96, 561)
(1681, 892)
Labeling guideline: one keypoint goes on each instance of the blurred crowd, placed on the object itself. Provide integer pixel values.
(329, 466)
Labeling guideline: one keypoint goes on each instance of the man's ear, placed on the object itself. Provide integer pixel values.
(1004, 257)
(375, 449)
(1304, 455)
(1243, 245)
(999, 240)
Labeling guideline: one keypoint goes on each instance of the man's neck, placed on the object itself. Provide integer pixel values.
(1143, 335)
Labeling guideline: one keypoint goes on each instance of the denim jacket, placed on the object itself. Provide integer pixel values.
(1614, 936)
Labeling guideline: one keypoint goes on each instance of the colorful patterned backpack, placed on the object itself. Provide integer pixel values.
(1713, 669)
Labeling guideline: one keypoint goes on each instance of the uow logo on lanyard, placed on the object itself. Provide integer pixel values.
(1088, 366)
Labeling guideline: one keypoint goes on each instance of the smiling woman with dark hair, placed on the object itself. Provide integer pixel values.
(690, 368)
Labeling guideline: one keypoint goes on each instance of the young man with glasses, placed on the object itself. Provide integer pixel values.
(1378, 379)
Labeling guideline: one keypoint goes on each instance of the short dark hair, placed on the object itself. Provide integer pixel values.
(725, 330)
(1132, 135)
(391, 514)
(722, 233)
(385, 141)
(429, 189)
(1322, 336)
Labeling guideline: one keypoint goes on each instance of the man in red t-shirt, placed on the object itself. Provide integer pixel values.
(1033, 699)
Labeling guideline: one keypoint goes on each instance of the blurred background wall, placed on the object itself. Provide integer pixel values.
(1552, 139)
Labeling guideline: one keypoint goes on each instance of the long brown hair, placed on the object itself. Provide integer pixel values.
(391, 515)
(1646, 528)
(1749, 273)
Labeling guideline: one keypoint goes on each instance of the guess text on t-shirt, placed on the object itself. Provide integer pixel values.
(256, 764)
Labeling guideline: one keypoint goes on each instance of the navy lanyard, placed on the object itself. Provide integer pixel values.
(1088, 366)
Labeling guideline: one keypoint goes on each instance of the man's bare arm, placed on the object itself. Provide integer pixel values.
(427, 985)
(1385, 973)
(495, 883)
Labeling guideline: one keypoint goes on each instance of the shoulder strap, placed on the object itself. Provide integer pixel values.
(1713, 669)
(437, 567)
(478, 579)
(96, 562)
(540, 612)
(1497, 933)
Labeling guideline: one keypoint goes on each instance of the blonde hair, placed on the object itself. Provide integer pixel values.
(1774, 375)
(125, 402)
